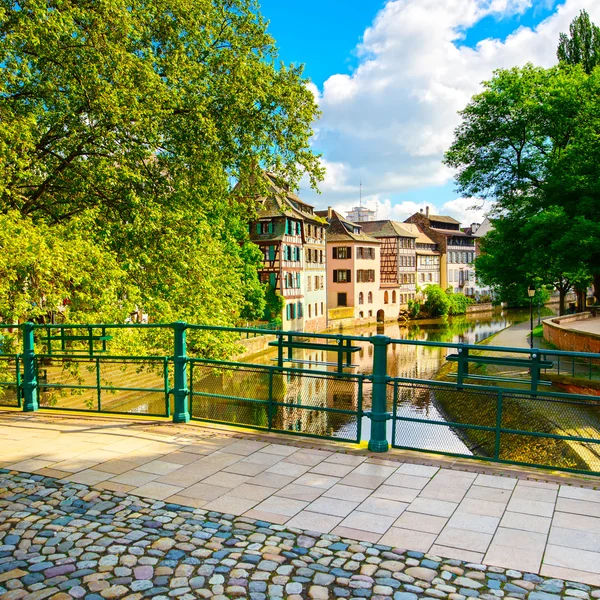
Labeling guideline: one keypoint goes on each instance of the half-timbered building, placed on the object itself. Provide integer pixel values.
(292, 240)
(398, 264)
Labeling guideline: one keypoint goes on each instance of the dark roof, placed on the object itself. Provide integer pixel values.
(280, 203)
(342, 230)
(443, 219)
(386, 228)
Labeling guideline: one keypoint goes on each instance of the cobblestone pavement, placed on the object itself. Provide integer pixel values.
(65, 540)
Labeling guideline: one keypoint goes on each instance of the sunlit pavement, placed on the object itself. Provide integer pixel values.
(530, 522)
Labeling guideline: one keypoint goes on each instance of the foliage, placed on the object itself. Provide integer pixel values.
(530, 142)
(458, 303)
(274, 303)
(437, 303)
(45, 270)
(441, 302)
(414, 308)
(124, 126)
(582, 46)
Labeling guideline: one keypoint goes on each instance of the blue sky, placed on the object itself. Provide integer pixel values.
(390, 98)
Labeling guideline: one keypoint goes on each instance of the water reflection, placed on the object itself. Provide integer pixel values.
(301, 395)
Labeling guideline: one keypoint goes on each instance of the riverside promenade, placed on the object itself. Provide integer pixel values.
(113, 508)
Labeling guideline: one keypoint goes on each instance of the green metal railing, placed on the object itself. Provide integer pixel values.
(485, 403)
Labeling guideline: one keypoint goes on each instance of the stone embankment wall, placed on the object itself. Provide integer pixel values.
(255, 345)
(483, 307)
(558, 333)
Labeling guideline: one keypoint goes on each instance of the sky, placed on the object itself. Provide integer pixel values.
(390, 78)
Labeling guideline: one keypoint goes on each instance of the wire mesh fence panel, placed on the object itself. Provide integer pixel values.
(10, 393)
(103, 385)
(279, 400)
(318, 405)
(230, 394)
(444, 419)
(556, 432)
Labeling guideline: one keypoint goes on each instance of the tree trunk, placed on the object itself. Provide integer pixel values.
(562, 292)
(597, 287)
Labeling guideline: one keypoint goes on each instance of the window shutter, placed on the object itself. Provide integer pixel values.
(271, 252)
(335, 277)
(272, 279)
(287, 311)
(348, 276)
(349, 252)
(270, 226)
(335, 253)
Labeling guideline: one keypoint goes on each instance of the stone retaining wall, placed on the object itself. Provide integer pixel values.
(558, 333)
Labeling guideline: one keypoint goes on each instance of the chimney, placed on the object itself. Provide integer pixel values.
(329, 212)
(474, 227)
(427, 211)
(421, 210)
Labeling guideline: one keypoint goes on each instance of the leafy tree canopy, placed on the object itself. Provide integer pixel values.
(582, 45)
(530, 143)
(127, 124)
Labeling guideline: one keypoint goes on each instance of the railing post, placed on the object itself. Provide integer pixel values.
(535, 371)
(181, 413)
(463, 366)
(498, 438)
(30, 389)
(379, 414)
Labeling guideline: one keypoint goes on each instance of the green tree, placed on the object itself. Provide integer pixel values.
(582, 45)
(130, 122)
(437, 303)
(529, 136)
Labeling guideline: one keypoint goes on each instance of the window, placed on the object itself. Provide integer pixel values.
(386, 299)
(370, 298)
(297, 280)
(361, 315)
(300, 311)
(365, 275)
(309, 311)
(321, 256)
(264, 227)
(316, 309)
(429, 276)
(321, 308)
(342, 252)
(394, 297)
(361, 298)
(341, 276)
(308, 285)
(308, 255)
(342, 299)
(370, 313)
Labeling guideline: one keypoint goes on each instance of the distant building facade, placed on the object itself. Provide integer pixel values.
(361, 214)
(292, 240)
(456, 248)
(353, 278)
(398, 263)
(428, 257)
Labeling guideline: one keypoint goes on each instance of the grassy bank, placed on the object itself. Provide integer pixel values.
(520, 412)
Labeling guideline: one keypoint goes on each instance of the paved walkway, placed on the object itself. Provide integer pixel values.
(587, 325)
(547, 527)
(63, 540)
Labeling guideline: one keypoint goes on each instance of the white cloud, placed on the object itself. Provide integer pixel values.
(390, 121)
(466, 210)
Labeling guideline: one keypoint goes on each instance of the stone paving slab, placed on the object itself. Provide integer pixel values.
(546, 527)
(63, 540)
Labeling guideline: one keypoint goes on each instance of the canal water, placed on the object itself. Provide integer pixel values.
(418, 362)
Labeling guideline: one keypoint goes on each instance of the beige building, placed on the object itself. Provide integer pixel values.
(397, 265)
(353, 282)
(428, 257)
